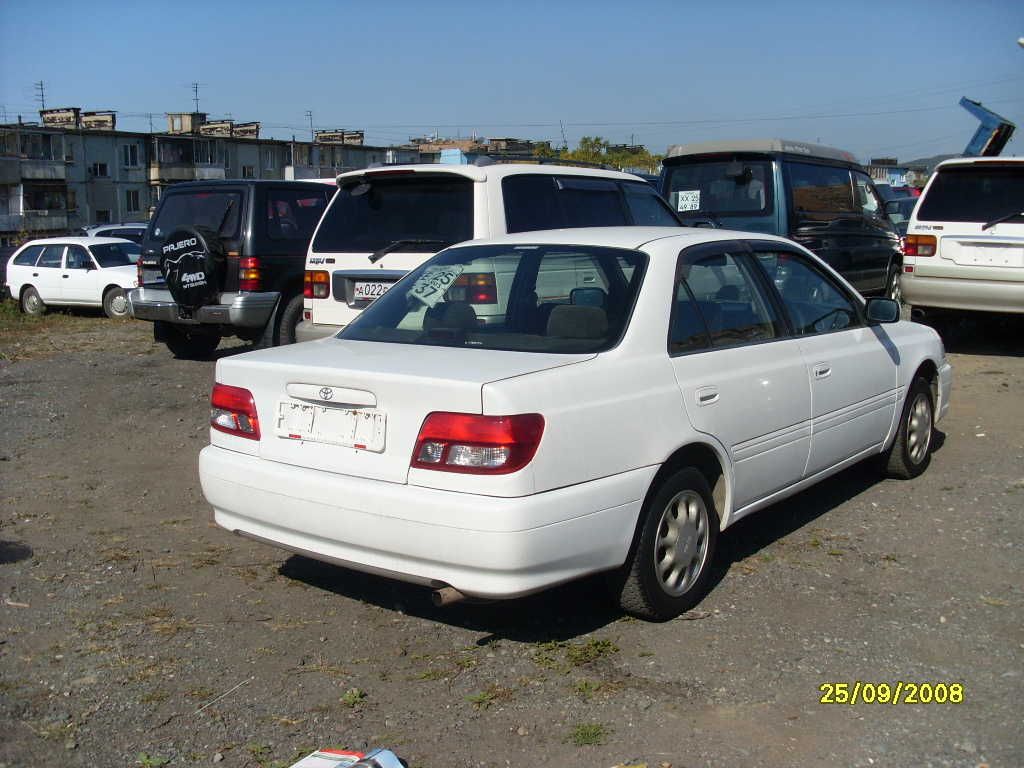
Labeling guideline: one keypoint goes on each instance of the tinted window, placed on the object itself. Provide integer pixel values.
(820, 188)
(646, 206)
(980, 192)
(535, 201)
(688, 331)
(116, 254)
(815, 304)
(51, 256)
(216, 211)
(27, 258)
(567, 299)
(373, 214)
(728, 299)
(78, 258)
(292, 214)
(738, 187)
(135, 235)
(865, 195)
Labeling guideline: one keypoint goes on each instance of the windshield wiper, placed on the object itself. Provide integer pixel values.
(1001, 219)
(380, 254)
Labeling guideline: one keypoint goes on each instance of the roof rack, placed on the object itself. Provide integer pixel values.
(485, 160)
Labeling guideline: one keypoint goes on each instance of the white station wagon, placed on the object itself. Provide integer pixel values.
(645, 389)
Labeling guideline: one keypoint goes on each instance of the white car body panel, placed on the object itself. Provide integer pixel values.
(612, 421)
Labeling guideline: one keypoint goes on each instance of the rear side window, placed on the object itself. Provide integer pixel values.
(534, 202)
(216, 211)
(292, 214)
(821, 188)
(646, 207)
(981, 192)
(429, 212)
(51, 256)
(28, 257)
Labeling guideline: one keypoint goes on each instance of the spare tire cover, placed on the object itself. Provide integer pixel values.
(192, 262)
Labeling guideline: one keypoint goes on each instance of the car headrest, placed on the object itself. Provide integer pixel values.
(575, 321)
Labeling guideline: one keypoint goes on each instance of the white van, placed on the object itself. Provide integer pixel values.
(965, 240)
(386, 221)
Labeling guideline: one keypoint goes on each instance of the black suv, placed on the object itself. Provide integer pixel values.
(226, 258)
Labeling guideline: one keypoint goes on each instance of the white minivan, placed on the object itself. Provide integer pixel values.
(965, 240)
(386, 221)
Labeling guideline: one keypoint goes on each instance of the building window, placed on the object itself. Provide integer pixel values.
(131, 155)
(268, 160)
(131, 197)
(204, 152)
(248, 172)
(72, 200)
(102, 217)
(99, 170)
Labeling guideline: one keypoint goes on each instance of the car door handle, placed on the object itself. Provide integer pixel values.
(65, 276)
(822, 371)
(35, 274)
(707, 395)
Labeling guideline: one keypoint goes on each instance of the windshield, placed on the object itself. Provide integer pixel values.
(720, 187)
(116, 254)
(216, 211)
(375, 213)
(981, 193)
(525, 298)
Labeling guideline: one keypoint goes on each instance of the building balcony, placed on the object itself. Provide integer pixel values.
(34, 221)
(44, 170)
(172, 172)
(10, 170)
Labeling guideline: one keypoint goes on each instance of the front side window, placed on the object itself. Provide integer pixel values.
(78, 258)
(728, 300)
(524, 298)
(814, 303)
(51, 256)
(736, 187)
(416, 213)
(983, 192)
(820, 188)
(292, 214)
(216, 211)
(865, 197)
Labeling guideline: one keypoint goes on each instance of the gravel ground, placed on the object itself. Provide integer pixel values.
(135, 632)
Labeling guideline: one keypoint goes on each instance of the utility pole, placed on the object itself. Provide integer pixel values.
(150, 116)
(41, 93)
(195, 95)
(309, 116)
(565, 144)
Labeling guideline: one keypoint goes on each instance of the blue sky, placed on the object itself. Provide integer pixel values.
(874, 78)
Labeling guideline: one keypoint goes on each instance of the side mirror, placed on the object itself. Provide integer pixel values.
(880, 310)
(587, 297)
(893, 206)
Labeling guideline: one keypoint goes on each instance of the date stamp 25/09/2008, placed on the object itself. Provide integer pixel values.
(899, 692)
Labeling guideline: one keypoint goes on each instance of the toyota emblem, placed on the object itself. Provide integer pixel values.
(326, 393)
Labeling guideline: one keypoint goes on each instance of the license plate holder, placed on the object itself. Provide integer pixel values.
(360, 428)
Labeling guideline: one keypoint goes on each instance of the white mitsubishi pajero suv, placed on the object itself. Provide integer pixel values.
(385, 221)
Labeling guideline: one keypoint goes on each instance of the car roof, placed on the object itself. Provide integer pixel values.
(979, 161)
(785, 146)
(78, 241)
(139, 224)
(622, 237)
(244, 183)
(482, 173)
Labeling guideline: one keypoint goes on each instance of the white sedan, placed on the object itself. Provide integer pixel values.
(646, 389)
(74, 271)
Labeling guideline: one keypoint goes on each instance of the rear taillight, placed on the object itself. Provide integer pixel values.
(316, 284)
(232, 410)
(919, 245)
(474, 288)
(481, 445)
(249, 273)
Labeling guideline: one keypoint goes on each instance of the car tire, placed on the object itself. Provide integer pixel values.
(910, 452)
(893, 288)
(280, 329)
(665, 574)
(187, 344)
(32, 302)
(115, 304)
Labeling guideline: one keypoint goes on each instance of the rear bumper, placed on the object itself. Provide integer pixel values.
(309, 331)
(969, 295)
(417, 534)
(242, 310)
(945, 390)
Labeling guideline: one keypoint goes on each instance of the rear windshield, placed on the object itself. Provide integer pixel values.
(116, 254)
(974, 193)
(427, 212)
(720, 187)
(525, 298)
(216, 211)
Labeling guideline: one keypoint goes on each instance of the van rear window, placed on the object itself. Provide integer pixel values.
(369, 214)
(981, 192)
(720, 187)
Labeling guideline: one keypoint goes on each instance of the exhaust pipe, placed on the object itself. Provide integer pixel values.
(446, 596)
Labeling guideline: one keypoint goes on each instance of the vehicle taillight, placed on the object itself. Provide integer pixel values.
(919, 245)
(232, 410)
(475, 288)
(249, 273)
(474, 444)
(316, 284)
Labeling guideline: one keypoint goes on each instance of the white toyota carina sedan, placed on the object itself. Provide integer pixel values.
(646, 389)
